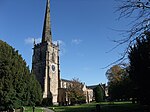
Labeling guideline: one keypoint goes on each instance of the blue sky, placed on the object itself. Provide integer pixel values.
(83, 27)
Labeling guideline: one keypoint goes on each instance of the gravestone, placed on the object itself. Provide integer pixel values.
(98, 108)
(33, 108)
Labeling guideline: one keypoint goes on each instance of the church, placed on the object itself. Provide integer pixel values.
(45, 66)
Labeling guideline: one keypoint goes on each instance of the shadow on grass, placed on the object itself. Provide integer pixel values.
(77, 108)
(105, 107)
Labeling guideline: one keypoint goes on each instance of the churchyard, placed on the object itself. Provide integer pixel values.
(22, 87)
(105, 107)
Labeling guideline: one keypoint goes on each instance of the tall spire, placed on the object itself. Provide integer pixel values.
(46, 36)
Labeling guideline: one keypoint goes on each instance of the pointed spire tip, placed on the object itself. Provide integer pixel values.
(46, 36)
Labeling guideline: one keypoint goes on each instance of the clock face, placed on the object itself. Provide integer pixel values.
(53, 68)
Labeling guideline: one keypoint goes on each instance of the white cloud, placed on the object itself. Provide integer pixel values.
(30, 40)
(86, 68)
(60, 42)
(76, 41)
(61, 46)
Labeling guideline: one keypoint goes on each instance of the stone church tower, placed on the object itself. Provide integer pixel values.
(45, 61)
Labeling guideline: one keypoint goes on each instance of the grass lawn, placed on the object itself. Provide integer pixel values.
(30, 109)
(105, 107)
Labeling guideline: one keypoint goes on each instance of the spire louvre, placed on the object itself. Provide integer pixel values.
(46, 36)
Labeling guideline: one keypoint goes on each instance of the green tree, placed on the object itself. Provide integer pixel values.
(120, 85)
(115, 73)
(35, 91)
(99, 94)
(16, 81)
(75, 92)
(139, 69)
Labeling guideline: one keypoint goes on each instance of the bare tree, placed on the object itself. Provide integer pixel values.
(139, 12)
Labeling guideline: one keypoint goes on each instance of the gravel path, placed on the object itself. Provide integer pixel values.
(47, 110)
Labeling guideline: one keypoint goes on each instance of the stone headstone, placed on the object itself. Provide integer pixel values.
(98, 108)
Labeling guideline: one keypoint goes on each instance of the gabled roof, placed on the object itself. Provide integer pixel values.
(92, 87)
(65, 80)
